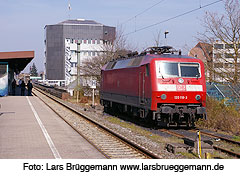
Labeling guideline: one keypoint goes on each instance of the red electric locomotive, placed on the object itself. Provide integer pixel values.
(156, 85)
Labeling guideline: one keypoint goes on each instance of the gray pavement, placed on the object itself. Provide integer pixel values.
(22, 134)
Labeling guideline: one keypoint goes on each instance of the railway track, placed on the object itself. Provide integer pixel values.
(109, 143)
(216, 147)
(219, 137)
(224, 139)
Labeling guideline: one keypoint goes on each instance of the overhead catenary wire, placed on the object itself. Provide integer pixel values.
(171, 18)
(134, 17)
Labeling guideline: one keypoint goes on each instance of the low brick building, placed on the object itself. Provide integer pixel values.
(204, 51)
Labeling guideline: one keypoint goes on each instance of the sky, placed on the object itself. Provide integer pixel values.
(22, 22)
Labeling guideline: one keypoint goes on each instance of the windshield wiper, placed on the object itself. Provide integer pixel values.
(161, 74)
(197, 76)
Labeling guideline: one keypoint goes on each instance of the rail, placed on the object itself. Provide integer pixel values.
(132, 144)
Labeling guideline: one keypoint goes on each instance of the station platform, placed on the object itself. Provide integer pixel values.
(31, 130)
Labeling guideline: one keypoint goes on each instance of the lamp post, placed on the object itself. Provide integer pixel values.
(78, 67)
(165, 33)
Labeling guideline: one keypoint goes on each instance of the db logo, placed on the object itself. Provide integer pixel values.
(181, 87)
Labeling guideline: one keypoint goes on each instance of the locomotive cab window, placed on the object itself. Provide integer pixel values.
(167, 69)
(189, 70)
(175, 69)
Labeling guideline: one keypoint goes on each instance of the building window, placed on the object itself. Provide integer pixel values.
(93, 41)
(89, 41)
(229, 46)
(218, 46)
(73, 64)
(85, 41)
(217, 55)
(229, 55)
(218, 65)
(229, 65)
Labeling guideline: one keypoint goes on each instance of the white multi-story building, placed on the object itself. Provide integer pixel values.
(224, 56)
(69, 43)
(77, 51)
(219, 59)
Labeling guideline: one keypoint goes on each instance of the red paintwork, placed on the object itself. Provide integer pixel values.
(126, 82)
(182, 93)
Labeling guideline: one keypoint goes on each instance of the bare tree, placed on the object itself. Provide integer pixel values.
(157, 38)
(223, 31)
(110, 50)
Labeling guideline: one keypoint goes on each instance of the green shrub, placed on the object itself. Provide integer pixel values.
(221, 117)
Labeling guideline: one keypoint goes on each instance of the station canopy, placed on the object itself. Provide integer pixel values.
(17, 60)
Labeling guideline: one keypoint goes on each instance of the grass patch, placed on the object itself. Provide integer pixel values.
(236, 138)
(188, 155)
(143, 132)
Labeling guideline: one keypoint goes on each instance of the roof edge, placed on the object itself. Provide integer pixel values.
(17, 54)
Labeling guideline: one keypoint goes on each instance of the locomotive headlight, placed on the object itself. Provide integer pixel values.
(163, 96)
(180, 80)
(197, 97)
